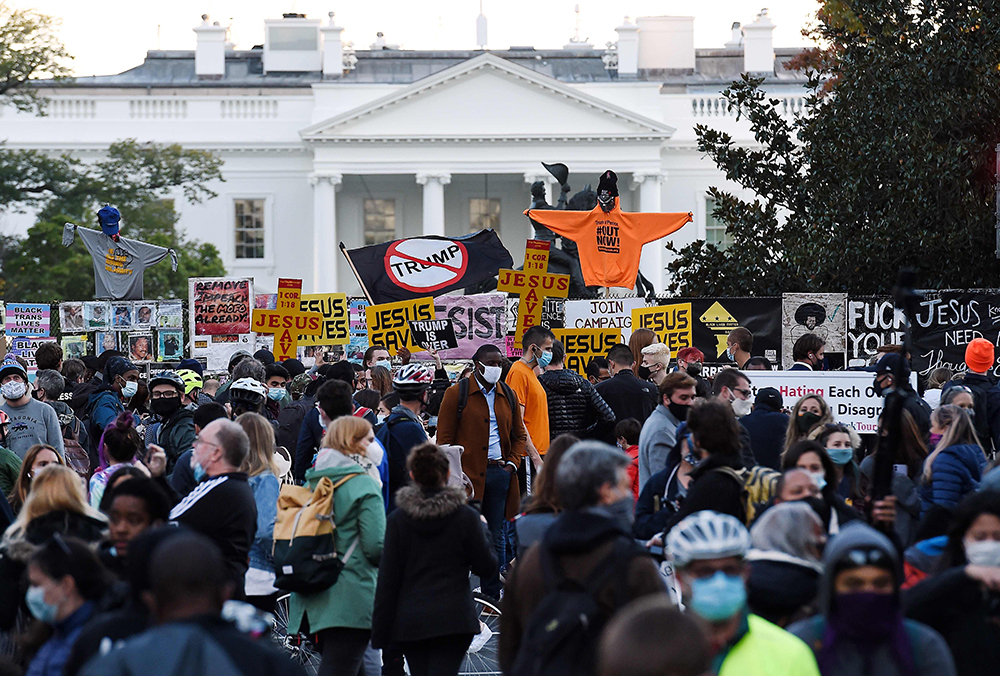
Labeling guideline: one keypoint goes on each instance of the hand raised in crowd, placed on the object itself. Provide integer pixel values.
(988, 576)
(404, 355)
(435, 356)
(884, 510)
(155, 460)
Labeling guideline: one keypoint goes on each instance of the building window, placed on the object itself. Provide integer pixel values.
(249, 228)
(484, 213)
(380, 221)
(715, 229)
(293, 38)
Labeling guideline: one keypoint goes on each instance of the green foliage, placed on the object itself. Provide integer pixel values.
(29, 49)
(893, 167)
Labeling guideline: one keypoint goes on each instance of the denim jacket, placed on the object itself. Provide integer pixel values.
(265, 493)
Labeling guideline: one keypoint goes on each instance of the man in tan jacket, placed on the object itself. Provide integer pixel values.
(482, 414)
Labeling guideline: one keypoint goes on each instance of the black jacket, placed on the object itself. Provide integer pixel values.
(222, 508)
(432, 541)
(780, 589)
(290, 422)
(575, 407)
(767, 435)
(651, 511)
(920, 411)
(628, 397)
(717, 491)
(987, 418)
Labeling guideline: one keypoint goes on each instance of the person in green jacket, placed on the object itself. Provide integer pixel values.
(342, 614)
(708, 550)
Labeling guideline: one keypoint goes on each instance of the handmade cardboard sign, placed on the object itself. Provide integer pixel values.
(533, 285)
(434, 334)
(287, 322)
(389, 323)
(582, 345)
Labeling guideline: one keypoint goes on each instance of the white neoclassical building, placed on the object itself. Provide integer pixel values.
(325, 144)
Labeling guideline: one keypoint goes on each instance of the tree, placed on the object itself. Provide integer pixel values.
(890, 165)
(29, 49)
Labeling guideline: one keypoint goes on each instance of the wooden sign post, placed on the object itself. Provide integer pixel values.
(286, 322)
(534, 284)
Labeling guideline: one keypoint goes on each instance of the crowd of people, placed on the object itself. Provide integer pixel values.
(642, 519)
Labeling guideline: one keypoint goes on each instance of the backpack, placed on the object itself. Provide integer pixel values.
(562, 636)
(463, 398)
(74, 453)
(304, 550)
(759, 484)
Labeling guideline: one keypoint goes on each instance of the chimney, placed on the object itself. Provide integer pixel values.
(481, 27)
(333, 50)
(210, 52)
(666, 43)
(758, 45)
(628, 48)
(736, 41)
(291, 44)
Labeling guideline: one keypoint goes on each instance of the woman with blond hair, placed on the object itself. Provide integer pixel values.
(56, 504)
(641, 338)
(262, 475)
(37, 457)
(955, 465)
(810, 413)
(351, 438)
(341, 615)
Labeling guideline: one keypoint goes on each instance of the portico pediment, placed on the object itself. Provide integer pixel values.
(487, 99)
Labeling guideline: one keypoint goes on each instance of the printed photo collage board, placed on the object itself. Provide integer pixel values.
(145, 330)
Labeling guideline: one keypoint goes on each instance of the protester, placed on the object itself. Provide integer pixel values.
(691, 360)
(796, 484)
(241, 365)
(262, 476)
(627, 440)
(662, 495)
(135, 506)
(120, 384)
(341, 615)
(861, 629)
(353, 436)
(593, 530)
(574, 405)
(264, 356)
(122, 446)
(37, 457)
(333, 400)
(656, 360)
(892, 369)
(182, 480)
(957, 394)
(246, 395)
(812, 457)
(786, 546)
(910, 453)
(841, 442)
(291, 416)
(10, 464)
(758, 364)
(193, 384)
(980, 358)
(542, 506)
(639, 341)
(403, 430)
(30, 422)
(276, 380)
(767, 426)
(651, 637)
(809, 414)
(955, 466)
(732, 389)
(808, 353)
(739, 345)
(377, 355)
(537, 343)
(48, 389)
(433, 541)
(708, 550)
(222, 506)
(658, 436)
(598, 370)
(627, 396)
(488, 425)
(935, 381)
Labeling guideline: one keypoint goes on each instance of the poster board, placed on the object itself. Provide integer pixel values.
(824, 314)
(582, 345)
(389, 324)
(219, 312)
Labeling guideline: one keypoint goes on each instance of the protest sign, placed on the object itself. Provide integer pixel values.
(144, 314)
(582, 345)
(71, 317)
(219, 305)
(532, 285)
(946, 322)
(823, 314)
(553, 313)
(140, 346)
(169, 345)
(74, 347)
(850, 394)
(871, 323)
(672, 323)
(603, 313)
(97, 315)
(121, 316)
(25, 347)
(287, 322)
(715, 318)
(434, 334)
(389, 323)
(27, 319)
(358, 328)
(478, 320)
(170, 314)
(105, 340)
(336, 323)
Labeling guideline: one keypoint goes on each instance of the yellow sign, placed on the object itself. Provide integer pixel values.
(582, 345)
(389, 323)
(287, 322)
(671, 323)
(720, 323)
(533, 285)
(336, 323)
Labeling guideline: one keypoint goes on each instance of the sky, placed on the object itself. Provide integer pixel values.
(110, 36)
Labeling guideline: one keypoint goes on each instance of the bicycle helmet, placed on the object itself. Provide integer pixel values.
(411, 381)
(247, 393)
(192, 381)
(707, 535)
(167, 378)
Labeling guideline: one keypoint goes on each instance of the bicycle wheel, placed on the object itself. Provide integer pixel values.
(483, 654)
(299, 646)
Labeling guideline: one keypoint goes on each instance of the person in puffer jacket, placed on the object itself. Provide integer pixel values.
(575, 407)
(955, 466)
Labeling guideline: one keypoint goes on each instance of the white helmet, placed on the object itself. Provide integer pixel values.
(707, 535)
(248, 385)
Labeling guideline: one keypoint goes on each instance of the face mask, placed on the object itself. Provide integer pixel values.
(491, 374)
(165, 407)
(13, 390)
(679, 411)
(544, 359)
(971, 412)
(840, 456)
(984, 553)
(865, 616)
(384, 363)
(322, 423)
(691, 459)
(276, 393)
(805, 421)
(622, 512)
(380, 417)
(819, 478)
(43, 612)
(199, 472)
(934, 439)
(880, 389)
(694, 370)
(129, 389)
(742, 407)
(719, 597)
(643, 373)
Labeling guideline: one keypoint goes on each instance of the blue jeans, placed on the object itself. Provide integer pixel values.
(494, 508)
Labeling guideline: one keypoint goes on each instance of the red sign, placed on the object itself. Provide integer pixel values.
(221, 306)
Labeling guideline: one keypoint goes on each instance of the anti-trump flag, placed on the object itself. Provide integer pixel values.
(428, 266)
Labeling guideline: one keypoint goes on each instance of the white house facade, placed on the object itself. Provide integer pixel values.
(323, 144)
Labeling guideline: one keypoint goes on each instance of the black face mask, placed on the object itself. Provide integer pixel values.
(694, 370)
(679, 411)
(166, 406)
(643, 373)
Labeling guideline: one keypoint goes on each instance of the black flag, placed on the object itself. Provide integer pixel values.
(428, 266)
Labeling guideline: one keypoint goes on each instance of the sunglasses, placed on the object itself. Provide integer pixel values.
(856, 558)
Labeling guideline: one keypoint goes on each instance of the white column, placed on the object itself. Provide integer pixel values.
(434, 184)
(651, 263)
(326, 252)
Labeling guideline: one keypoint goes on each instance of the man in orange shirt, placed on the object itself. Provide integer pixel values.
(521, 378)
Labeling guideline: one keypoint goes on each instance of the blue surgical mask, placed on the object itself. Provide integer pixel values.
(276, 393)
(199, 471)
(384, 363)
(129, 389)
(719, 597)
(840, 456)
(544, 359)
(42, 611)
(819, 478)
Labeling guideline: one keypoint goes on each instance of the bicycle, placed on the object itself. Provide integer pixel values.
(483, 654)
(300, 646)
